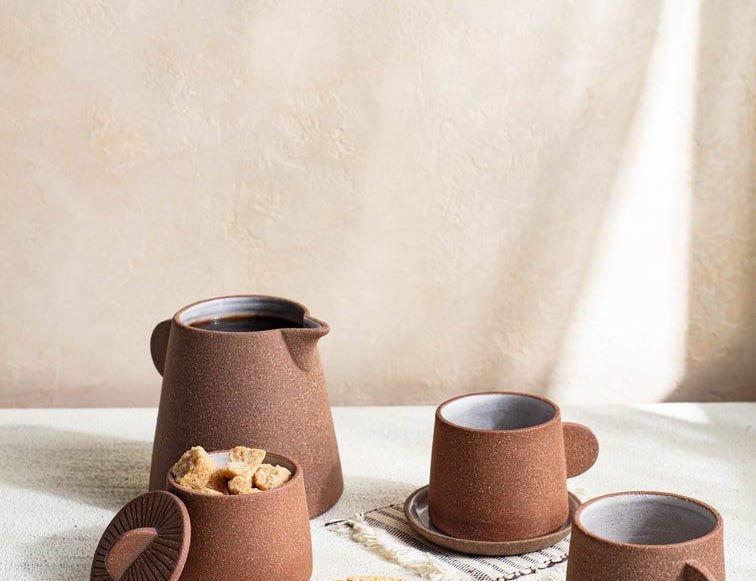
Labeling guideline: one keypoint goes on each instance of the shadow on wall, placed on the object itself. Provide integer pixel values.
(666, 237)
(721, 338)
(532, 301)
(548, 136)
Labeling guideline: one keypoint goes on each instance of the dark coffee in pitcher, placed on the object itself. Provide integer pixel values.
(244, 324)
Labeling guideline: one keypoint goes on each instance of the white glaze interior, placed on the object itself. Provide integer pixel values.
(647, 519)
(497, 411)
(220, 459)
(236, 306)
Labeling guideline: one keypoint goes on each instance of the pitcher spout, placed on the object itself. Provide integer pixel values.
(302, 341)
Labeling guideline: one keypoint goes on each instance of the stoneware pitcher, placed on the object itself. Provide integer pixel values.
(224, 387)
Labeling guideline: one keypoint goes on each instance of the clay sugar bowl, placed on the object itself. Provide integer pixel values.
(186, 534)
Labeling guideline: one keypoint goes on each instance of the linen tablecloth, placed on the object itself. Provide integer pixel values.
(65, 472)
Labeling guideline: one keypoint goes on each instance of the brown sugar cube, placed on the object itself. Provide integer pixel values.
(220, 478)
(251, 456)
(238, 468)
(268, 476)
(218, 481)
(241, 485)
(194, 468)
(211, 491)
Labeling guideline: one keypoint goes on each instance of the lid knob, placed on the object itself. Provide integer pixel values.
(127, 549)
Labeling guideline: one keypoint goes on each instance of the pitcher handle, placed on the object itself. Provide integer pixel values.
(581, 448)
(159, 344)
(694, 571)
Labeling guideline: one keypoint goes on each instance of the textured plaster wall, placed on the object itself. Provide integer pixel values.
(554, 196)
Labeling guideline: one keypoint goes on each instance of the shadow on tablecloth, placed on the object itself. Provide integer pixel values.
(97, 470)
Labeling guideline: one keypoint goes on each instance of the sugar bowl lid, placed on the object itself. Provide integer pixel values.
(147, 539)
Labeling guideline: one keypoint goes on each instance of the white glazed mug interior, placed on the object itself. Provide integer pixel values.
(647, 519)
(497, 411)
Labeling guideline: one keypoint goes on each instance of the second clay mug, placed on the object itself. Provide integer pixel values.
(500, 464)
(646, 536)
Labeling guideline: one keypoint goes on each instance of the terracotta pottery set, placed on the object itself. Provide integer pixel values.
(245, 370)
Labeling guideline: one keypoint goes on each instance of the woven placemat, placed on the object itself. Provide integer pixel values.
(386, 531)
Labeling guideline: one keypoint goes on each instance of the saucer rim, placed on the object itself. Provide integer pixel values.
(491, 548)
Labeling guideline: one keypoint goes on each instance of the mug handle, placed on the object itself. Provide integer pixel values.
(159, 344)
(580, 448)
(697, 572)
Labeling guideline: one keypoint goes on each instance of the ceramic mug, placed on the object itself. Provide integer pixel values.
(256, 537)
(500, 463)
(646, 536)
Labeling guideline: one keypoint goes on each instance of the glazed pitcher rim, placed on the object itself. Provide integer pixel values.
(319, 326)
(645, 547)
(555, 418)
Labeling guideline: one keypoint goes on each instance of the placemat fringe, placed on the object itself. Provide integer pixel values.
(417, 562)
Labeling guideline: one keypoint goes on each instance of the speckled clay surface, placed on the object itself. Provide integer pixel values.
(505, 484)
(597, 558)
(148, 539)
(264, 389)
(255, 537)
(416, 512)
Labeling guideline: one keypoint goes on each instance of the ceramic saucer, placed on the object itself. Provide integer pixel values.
(416, 511)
